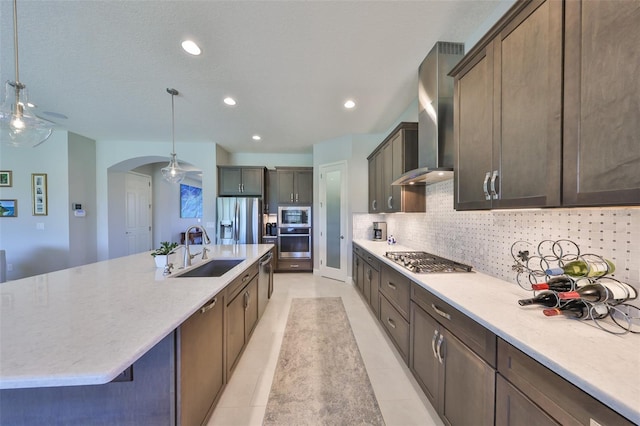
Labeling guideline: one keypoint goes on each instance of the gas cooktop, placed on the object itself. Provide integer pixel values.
(423, 263)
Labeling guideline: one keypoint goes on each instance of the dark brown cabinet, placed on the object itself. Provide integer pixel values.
(271, 204)
(458, 380)
(529, 393)
(200, 363)
(241, 181)
(366, 276)
(508, 101)
(397, 154)
(601, 159)
(295, 186)
(395, 293)
(241, 315)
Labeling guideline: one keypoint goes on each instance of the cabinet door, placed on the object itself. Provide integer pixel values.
(229, 181)
(304, 187)
(423, 361)
(387, 178)
(469, 385)
(373, 188)
(397, 288)
(473, 133)
(286, 191)
(235, 330)
(528, 100)
(514, 408)
(201, 368)
(251, 307)
(601, 159)
(252, 181)
(366, 288)
(397, 327)
(272, 192)
(397, 169)
(375, 295)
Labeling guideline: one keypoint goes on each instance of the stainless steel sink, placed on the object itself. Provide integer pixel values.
(213, 268)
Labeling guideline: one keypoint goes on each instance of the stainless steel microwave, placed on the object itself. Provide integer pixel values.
(294, 216)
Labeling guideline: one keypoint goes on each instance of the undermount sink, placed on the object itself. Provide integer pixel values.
(213, 268)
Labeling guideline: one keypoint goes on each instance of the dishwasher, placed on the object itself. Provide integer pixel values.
(265, 282)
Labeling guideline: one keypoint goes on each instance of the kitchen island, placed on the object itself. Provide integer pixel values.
(603, 365)
(85, 326)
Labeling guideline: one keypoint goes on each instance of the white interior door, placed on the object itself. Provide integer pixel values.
(333, 220)
(138, 213)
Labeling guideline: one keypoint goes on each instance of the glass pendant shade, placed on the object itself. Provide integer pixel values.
(173, 173)
(20, 126)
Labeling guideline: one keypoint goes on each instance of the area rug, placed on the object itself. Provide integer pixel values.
(320, 378)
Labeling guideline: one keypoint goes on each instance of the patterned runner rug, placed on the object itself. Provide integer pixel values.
(320, 378)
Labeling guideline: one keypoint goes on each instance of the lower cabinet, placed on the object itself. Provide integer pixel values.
(200, 363)
(242, 316)
(459, 383)
(529, 393)
(366, 277)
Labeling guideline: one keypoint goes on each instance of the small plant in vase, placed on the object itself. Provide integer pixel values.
(161, 254)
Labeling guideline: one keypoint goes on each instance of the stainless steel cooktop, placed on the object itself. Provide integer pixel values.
(423, 263)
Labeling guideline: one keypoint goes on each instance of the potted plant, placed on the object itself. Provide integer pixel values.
(161, 254)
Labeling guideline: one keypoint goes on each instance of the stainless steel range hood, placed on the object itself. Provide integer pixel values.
(435, 117)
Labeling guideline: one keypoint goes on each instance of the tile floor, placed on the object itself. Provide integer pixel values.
(245, 398)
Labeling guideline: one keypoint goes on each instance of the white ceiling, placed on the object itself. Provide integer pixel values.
(289, 64)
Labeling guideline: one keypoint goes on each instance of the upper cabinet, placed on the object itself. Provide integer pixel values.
(271, 205)
(508, 96)
(601, 155)
(397, 154)
(241, 181)
(517, 144)
(295, 186)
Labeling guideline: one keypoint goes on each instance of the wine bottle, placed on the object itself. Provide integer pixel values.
(578, 309)
(560, 283)
(613, 292)
(583, 268)
(546, 298)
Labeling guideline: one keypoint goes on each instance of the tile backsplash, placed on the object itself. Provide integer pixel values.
(483, 239)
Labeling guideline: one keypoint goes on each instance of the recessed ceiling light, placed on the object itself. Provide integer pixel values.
(349, 104)
(229, 101)
(191, 47)
(256, 137)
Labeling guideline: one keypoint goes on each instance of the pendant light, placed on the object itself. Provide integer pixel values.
(173, 173)
(17, 118)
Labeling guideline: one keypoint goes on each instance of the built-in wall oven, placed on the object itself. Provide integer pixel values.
(294, 243)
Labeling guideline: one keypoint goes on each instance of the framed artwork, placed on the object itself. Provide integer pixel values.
(39, 186)
(8, 208)
(6, 178)
(190, 201)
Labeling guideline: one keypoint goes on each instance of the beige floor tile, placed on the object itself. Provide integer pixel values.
(408, 412)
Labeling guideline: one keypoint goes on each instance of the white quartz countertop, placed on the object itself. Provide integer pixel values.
(86, 325)
(604, 365)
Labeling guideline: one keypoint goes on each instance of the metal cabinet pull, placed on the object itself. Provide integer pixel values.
(374, 205)
(391, 285)
(291, 197)
(390, 202)
(246, 277)
(209, 306)
(439, 349)
(243, 187)
(296, 197)
(433, 343)
(391, 323)
(369, 274)
(246, 300)
(485, 186)
(494, 177)
(440, 312)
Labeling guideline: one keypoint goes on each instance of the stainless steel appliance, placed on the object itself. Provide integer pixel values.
(380, 231)
(265, 282)
(435, 116)
(294, 216)
(422, 263)
(294, 243)
(239, 220)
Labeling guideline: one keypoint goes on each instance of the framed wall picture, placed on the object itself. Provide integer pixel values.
(190, 201)
(8, 208)
(6, 178)
(39, 186)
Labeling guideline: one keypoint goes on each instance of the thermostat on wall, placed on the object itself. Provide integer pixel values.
(77, 210)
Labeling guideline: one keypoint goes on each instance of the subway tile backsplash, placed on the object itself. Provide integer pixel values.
(483, 239)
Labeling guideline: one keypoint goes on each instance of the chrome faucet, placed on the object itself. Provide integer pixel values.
(187, 253)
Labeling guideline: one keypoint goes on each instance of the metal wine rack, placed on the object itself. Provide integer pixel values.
(531, 262)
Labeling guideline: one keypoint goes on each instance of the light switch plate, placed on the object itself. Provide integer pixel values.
(40, 225)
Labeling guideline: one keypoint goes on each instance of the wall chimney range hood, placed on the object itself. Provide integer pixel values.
(435, 116)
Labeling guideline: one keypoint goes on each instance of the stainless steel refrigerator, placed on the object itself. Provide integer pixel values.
(239, 220)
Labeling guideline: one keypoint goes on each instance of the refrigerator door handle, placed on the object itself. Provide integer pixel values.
(236, 225)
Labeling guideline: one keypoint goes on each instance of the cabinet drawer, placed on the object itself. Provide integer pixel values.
(371, 260)
(397, 288)
(563, 401)
(477, 337)
(238, 284)
(294, 265)
(396, 326)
